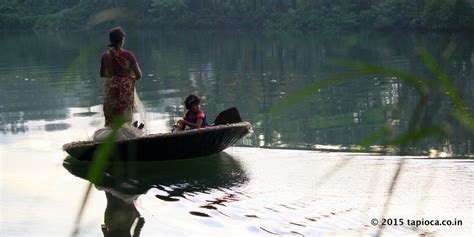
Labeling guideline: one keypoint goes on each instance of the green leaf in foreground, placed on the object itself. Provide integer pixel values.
(97, 166)
(103, 154)
(359, 69)
(422, 85)
(376, 136)
(418, 133)
(301, 95)
(460, 112)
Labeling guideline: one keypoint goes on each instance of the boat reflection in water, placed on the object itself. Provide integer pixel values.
(124, 182)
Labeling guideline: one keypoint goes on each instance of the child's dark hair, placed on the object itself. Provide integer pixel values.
(116, 35)
(190, 101)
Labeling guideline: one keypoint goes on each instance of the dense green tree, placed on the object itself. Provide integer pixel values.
(439, 14)
(236, 14)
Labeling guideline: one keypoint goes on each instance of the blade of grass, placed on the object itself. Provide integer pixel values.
(390, 192)
(359, 69)
(103, 154)
(97, 167)
(419, 133)
(420, 84)
(464, 119)
(460, 113)
(423, 86)
(111, 14)
(310, 89)
(376, 136)
(440, 75)
(84, 54)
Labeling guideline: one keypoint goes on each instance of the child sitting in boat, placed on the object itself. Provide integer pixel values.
(194, 117)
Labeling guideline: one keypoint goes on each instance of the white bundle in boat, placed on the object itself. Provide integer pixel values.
(127, 130)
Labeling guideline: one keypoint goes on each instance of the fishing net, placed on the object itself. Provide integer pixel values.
(140, 109)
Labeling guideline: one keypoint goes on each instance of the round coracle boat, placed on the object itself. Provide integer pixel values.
(168, 146)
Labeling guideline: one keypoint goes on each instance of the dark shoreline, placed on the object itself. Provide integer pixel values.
(303, 16)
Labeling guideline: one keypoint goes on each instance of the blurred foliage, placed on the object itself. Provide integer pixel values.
(420, 123)
(242, 14)
(98, 165)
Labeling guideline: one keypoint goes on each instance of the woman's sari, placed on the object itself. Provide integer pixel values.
(118, 91)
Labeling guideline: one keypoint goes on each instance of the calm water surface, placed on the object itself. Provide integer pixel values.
(50, 94)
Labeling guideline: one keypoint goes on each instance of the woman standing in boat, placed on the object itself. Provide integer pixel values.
(120, 69)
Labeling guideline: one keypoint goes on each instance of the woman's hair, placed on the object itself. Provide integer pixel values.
(116, 36)
(190, 101)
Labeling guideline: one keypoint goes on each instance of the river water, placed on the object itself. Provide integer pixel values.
(51, 94)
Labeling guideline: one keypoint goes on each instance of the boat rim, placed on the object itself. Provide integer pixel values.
(165, 134)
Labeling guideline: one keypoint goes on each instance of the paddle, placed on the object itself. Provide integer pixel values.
(230, 115)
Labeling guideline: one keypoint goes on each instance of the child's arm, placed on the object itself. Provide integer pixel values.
(198, 123)
(199, 120)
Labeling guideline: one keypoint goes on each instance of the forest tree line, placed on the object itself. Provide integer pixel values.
(304, 15)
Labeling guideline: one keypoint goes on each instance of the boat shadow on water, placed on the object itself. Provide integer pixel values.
(123, 183)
